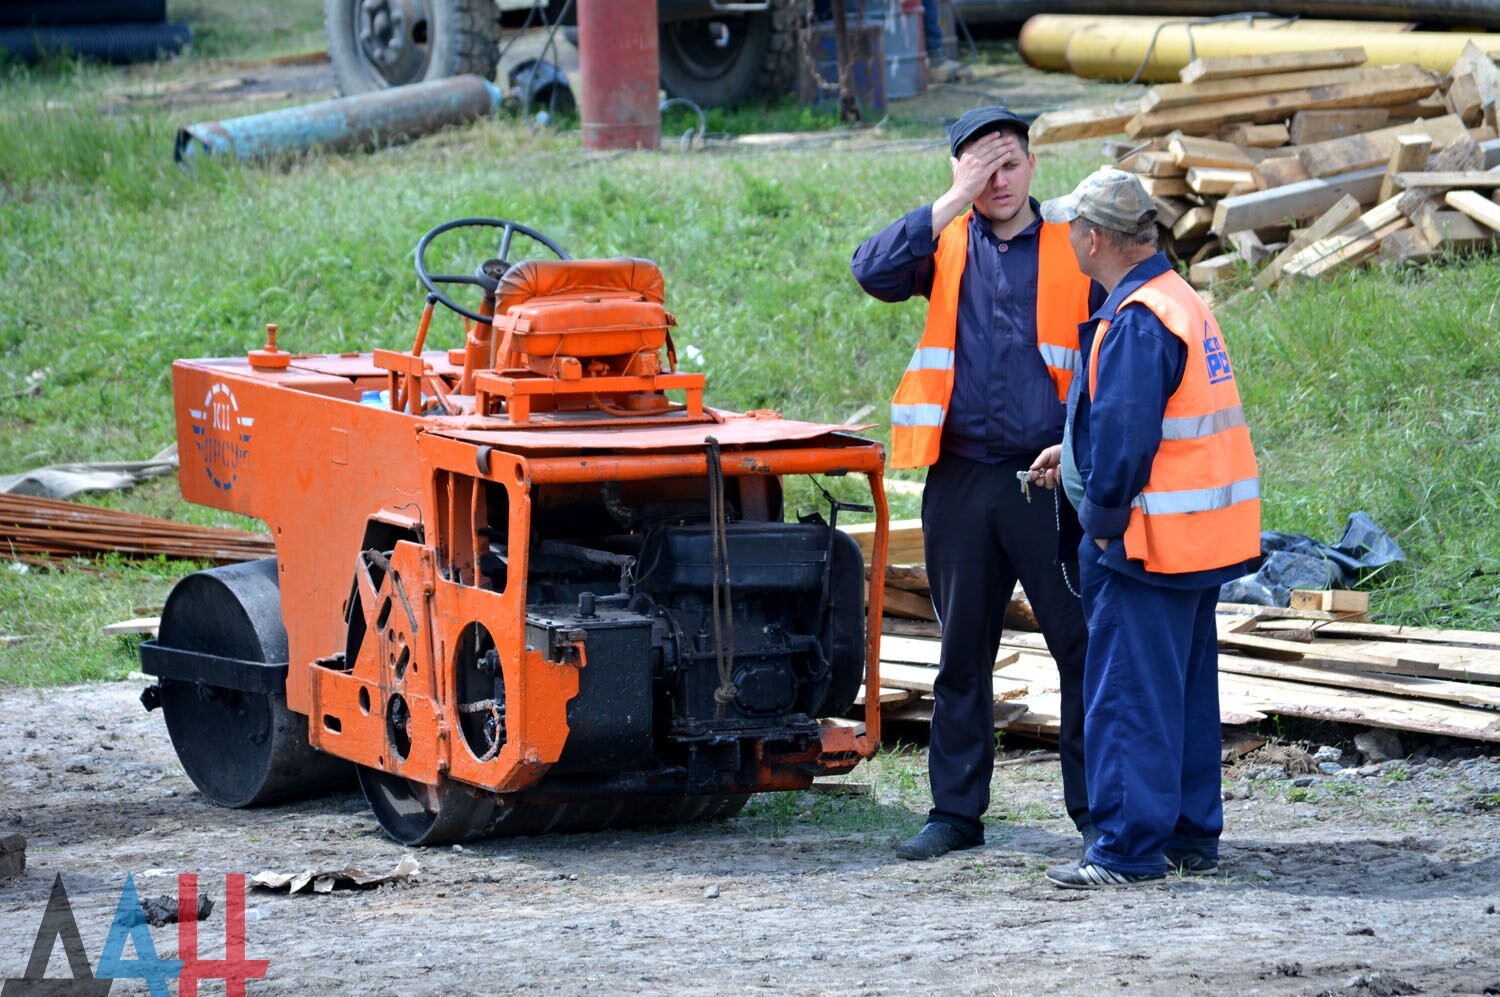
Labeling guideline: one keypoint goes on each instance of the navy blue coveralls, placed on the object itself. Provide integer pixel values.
(1151, 693)
(981, 534)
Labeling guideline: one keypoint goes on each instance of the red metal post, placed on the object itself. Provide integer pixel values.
(617, 61)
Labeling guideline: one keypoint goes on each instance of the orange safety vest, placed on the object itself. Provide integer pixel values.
(1200, 508)
(1062, 302)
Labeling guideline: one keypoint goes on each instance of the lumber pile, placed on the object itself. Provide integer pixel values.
(1292, 166)
(1320, 659)
(41, 531)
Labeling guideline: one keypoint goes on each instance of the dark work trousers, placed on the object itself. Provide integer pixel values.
(981, 536)
(1152, 718)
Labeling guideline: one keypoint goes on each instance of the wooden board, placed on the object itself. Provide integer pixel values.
(920, 678)
(1344, 211)
(1236, 66)
(1296, 699)
(905, 546)
(1441, 690)
(921, 651)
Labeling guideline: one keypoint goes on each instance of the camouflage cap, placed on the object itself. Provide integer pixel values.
(1109, 197)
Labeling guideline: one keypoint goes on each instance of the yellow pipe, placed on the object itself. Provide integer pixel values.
(1116, 51)
(1044, 38)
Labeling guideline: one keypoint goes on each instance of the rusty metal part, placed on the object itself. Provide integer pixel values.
(40, 529)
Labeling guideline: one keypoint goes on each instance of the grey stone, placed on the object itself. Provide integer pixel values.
(1327, 753)
(1330, 768)
(1303, 781)
(1379, 745)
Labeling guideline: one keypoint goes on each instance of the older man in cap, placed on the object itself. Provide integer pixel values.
(1157, 459)
(982, 395)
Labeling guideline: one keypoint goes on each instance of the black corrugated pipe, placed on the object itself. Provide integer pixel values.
(18, 13)
(118, 43)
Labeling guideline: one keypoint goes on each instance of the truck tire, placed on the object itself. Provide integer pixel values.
(731, 58)
(375, 44)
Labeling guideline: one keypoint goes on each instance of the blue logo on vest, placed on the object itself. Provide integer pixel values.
(1216, 357)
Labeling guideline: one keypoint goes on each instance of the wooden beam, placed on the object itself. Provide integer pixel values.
(1257, 136)
(1307, 127)
(1194, 150)
(1294, 201)
(1278, 172)
(1453, 229)
(1331, 600)
(1410, 153)
(1073, 123)
(1408, 245)
(1359, 240)
(1447, 180)
(1476, 206)
(1357, 152)
(905, 545)
(1236, 66)
(1397, 84)
(1216, 181)
(1165, 96)
(1193, 223)
(1344, 211)
(1206, 273)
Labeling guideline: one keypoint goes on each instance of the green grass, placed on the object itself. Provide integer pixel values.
(1372, 391)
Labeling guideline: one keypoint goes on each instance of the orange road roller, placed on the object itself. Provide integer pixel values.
(528, 584)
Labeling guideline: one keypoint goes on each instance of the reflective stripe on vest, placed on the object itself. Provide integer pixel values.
(1200, 508)
(922, 397)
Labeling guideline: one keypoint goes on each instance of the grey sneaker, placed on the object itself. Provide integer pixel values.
(937, 838)
(1089, 876)
(1191, 863)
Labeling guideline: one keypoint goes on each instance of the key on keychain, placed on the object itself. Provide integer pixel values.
(1024, 477)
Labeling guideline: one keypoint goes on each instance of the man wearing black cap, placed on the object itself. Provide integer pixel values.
(981, 397)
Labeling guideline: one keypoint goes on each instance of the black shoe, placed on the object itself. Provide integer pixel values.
(1191, 863)
(937, 838)
(1090, 876)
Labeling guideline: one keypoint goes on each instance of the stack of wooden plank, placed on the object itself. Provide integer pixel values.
(1320, 659)
(1293, 165)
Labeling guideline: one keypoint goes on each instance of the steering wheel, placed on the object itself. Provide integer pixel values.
(487, 274)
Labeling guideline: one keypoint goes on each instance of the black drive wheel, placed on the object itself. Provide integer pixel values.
(376, 44)
(731, 58)
(239, 748)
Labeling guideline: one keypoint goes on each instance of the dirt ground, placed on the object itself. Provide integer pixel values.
(1381, 883)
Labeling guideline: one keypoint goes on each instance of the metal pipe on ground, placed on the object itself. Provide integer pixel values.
(1449, 13)
(1119, 49)
(389, 117)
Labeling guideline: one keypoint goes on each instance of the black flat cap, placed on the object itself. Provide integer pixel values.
(984, 119)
